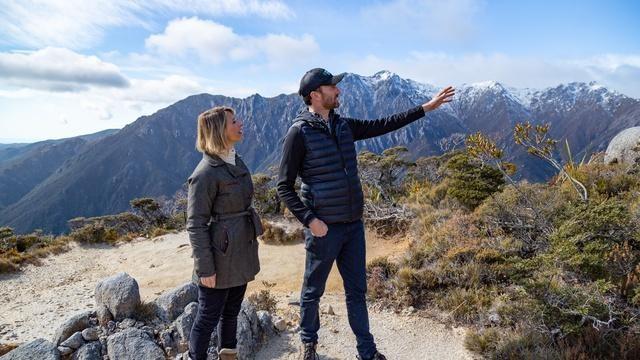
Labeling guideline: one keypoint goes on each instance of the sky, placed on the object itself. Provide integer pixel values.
(73, 67)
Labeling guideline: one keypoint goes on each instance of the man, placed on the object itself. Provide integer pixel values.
(319, 147)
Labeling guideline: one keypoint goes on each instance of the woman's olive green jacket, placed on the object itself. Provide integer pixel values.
(221, 223)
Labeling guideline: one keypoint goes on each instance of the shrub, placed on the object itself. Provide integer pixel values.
(94, 233)
(413, 285)
(484, 341)
(150, 210)
(277, 235)
(265, 196)
(264, 300)
(389, 268)
(464, 305)
(158, 231)
(7, 266)
(471, 182)
(585, 241)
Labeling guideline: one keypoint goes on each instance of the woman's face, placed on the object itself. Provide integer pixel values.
(233, 128)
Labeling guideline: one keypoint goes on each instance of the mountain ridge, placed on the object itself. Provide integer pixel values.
(155, 154)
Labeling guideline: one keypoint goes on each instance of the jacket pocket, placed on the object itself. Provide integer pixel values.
(314, 245)
(220, 238)
(230, 187)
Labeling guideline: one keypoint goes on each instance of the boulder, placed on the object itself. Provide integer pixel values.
(40, 349)
(89, 351)
(172, 303)
(120, 294)
(624, 148)
(249, 332)
(72, 325)
(133, 344)
(183, 325)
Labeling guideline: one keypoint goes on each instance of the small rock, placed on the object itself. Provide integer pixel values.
(280, 324)
(126, 323)
(89, 351)
(64, 351)
(74, 341)
(91, 334)
(327, 309)
(494, 318)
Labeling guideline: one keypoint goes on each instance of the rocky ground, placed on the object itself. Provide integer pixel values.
(37, 300)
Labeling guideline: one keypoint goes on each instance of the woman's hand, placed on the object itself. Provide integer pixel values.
(209, 281)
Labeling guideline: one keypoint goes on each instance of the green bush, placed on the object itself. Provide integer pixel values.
(94, 233)
(585, 241)
(471, 182)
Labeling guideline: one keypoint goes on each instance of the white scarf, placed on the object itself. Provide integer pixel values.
(229, 157)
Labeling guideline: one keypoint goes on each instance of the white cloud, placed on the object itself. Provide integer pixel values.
(78, 24)
(215, 43)
(206, 39)
(167, 90)
(451, 20)
(58, 69)
(618, 72)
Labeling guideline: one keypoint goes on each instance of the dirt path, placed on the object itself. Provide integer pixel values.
(34, 302)
(398, 336)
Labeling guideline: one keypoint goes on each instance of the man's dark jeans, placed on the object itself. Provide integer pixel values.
(345, 244)
(216, 307)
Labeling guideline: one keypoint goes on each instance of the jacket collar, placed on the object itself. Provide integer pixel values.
(313, 119)
(238, 170)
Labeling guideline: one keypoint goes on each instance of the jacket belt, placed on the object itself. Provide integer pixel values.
(218, 217)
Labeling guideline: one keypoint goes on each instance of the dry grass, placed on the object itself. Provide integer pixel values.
(5, 348)
(277, 235)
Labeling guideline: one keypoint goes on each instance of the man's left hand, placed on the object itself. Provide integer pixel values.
(444, 96)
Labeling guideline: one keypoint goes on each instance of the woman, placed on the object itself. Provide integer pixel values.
(222, 228)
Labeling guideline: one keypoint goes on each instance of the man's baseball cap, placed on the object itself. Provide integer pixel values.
(315, 78)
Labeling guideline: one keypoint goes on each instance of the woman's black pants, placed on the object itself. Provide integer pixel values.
(216, 307)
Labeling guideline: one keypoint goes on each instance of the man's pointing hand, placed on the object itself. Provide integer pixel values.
(444, 96)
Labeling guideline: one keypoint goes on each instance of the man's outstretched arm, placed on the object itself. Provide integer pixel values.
(364, 129)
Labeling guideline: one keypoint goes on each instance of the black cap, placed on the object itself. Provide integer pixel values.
(315, 78)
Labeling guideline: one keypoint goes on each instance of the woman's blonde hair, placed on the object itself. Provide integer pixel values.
(212, 139)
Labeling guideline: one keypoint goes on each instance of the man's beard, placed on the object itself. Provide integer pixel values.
(331, 104)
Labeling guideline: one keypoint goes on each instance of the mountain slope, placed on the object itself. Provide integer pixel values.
(154, 155)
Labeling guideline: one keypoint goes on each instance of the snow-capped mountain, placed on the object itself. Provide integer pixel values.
(154, 155)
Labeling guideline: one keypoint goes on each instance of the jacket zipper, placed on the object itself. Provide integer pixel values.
(344, 167)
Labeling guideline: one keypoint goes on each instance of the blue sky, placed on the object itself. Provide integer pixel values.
(74, 67)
